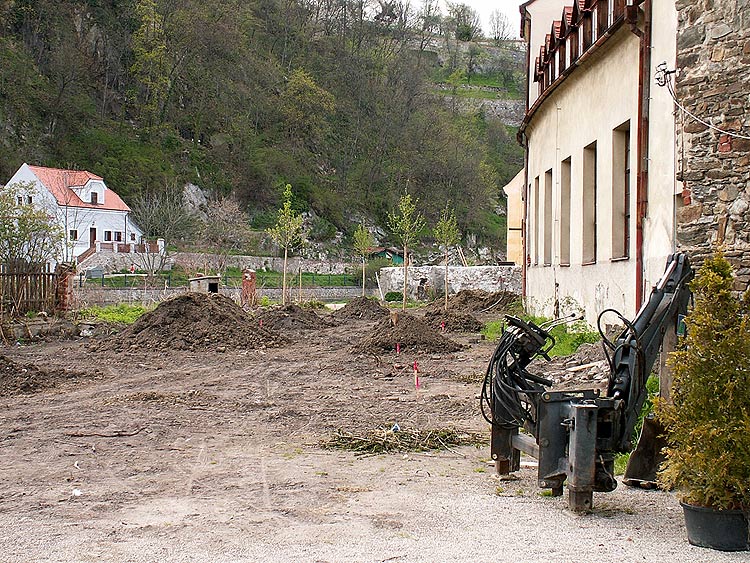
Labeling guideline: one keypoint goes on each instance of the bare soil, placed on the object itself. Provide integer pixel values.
(292, 318)
(404, 331)
(184, 450)
(452, 321)
(361, 308)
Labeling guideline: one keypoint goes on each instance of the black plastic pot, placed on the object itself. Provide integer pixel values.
(725, 530)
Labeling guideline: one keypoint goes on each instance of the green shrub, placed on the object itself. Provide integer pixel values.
(394, 296)
(708, 422)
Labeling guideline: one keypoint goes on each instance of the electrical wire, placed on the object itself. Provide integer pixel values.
(663, 77)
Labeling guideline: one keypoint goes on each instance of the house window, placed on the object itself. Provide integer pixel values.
(94, 198)
(20, 200)
(29, 199)
(548, 217)
(118, 236)
(621, 191)
(535, 225)
(589, 204)
(108, 236)
(73, 234)
(132, 237)
(565, 212)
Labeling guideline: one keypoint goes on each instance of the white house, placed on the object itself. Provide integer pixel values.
(93, 216)
(599, 192)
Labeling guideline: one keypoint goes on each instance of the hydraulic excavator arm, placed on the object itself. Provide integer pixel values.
(576, 434)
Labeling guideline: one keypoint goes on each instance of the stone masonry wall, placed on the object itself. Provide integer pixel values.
(713, 58)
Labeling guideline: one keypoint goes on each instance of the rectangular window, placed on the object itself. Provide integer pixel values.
(94, 198)
(621, 191)
(29, 199)
(132, 236)
(118, 236)
(108, 236)
(548, 217)
(565, 212)
(535, 223)
(73, 234)
(20, 200)
(589, 205)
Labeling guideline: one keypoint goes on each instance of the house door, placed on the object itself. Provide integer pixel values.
(92, 236)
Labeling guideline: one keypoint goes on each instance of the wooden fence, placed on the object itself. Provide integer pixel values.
(25, 288)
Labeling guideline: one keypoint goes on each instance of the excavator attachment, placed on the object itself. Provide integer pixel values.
(648, 455)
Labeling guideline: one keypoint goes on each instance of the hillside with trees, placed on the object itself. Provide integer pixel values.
(348, 101)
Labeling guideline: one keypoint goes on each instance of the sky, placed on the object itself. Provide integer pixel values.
(507, 7)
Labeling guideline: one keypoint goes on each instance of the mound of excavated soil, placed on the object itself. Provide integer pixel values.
(361, 308)
(477, 300)
(454, 322)
(410, 332)
(16, 379)
(193, 321)
(291, 317)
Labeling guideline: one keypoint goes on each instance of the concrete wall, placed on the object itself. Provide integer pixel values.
(487, 278)
(595, 99)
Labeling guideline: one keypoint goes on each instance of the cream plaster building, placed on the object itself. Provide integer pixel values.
(599, 191)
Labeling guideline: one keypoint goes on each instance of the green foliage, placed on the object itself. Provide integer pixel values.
(708, 422)
(362, 242)
(241, 97)
(446, 230)
(568, 338)
(122, 313)
(28, 235)
(371, 268)
(288, 228)
(406, 224)
(322, 230)
(393, 296)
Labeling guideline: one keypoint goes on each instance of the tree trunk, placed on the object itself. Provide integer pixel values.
(406, 277)
(445, 288)
(283, 277)
(363, 275)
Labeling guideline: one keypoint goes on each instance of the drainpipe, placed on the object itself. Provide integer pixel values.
(524, 141)
(644, 93)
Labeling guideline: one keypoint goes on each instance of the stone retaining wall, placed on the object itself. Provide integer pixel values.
(487, 278)
(87, 296)
(713, 58)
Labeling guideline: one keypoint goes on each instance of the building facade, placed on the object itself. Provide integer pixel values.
(599, 192)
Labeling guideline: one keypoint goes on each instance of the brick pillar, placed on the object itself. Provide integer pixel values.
(64, 289)
(248, 297)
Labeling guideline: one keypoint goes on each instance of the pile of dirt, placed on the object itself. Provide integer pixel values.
(194, 321)
(410, 333)
(480, 301)
(291, 317)
(452, 321)
(361, 308)
(17, 379)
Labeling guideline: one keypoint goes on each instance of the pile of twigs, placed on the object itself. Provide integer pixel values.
(395, 439)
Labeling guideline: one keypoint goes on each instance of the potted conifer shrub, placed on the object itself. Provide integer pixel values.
(708, 420)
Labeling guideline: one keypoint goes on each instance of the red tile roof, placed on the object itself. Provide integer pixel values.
(59, 183)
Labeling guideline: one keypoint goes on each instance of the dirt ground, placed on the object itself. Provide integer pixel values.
(214, 454)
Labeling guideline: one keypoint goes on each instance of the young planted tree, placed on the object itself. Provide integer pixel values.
(406, 224)
(286, 233)
(363, 241)
(28, 235)
(446, 234)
